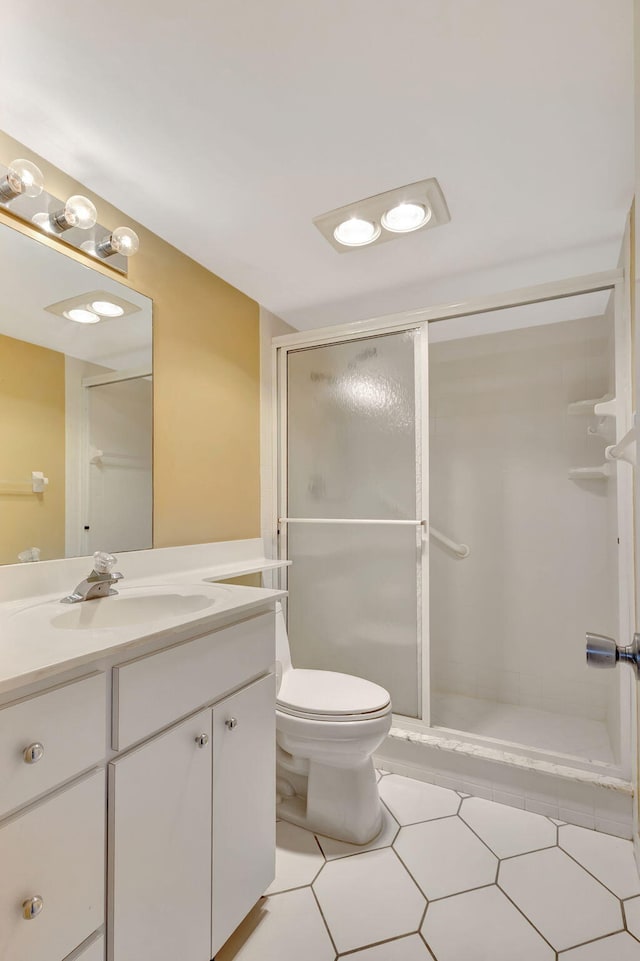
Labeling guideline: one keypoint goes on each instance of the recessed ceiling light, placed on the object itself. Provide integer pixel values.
(384, 217)
(82, 316)
(106, 308)
(356, 232)
(405, 217)
(103, 304)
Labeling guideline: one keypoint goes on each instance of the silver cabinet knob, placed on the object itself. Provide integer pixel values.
(603, 652)
(33, 753)
(202, 740)
(32, 907)
(231, 723)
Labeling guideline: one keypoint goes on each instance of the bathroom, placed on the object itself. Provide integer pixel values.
(331, 497)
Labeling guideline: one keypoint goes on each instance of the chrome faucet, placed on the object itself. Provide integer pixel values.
(100, 581)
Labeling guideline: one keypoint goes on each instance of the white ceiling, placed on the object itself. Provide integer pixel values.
(226, 127)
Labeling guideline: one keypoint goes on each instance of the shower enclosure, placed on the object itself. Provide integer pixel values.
(455, 517)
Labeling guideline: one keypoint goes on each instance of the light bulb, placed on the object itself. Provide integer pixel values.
(123, 240)
(356, 232)
(23, 178)
(405, 217)
(106, 309)
(81, 315)
(77, 212)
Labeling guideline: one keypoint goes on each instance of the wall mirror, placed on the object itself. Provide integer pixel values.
(76, 401)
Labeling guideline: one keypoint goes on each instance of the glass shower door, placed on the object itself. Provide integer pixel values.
(354, 507)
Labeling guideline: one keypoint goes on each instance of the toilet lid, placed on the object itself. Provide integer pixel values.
(329, 693)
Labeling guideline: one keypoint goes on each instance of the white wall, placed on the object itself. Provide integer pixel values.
(508, 623)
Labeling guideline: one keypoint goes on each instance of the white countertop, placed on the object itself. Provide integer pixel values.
(34, 647)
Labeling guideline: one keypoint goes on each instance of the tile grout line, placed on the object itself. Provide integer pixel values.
(527, 919)
(326, 924)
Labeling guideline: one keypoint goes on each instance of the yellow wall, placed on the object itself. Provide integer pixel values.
(206, 380)
(32, 410)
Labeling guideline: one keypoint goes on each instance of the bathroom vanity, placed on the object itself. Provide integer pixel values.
(136, 772)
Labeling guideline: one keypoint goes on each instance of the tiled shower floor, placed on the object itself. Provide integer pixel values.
(451, 878)
(558, 733)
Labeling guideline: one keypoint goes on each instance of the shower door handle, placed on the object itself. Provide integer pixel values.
(603, 651)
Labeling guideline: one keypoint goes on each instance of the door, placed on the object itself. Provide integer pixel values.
(118, 513)
(244, 793)
(353, 410)
(160, 847)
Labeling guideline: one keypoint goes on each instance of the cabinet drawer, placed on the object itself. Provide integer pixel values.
(55, 851)
(70, 724)
(155, 690)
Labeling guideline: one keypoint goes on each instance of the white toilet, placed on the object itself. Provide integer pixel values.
(327, 727)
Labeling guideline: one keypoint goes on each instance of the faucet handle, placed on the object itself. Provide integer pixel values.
(103, 563)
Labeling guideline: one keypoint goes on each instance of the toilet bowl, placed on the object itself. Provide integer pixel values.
(328, 726)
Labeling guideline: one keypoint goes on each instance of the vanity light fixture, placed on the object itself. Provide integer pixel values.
(385, 216)
(22, 178)
(123, 240)
(73, 222)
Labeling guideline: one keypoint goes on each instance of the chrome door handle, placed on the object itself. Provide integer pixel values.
(32, 907)
(231, 723)
(202, 740)
(602, 651)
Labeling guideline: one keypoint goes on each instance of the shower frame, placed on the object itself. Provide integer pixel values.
(615, 281)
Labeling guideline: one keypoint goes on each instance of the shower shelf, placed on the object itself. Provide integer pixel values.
(591, 473)
(599, 406)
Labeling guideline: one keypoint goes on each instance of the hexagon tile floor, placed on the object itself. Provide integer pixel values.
(450, 878)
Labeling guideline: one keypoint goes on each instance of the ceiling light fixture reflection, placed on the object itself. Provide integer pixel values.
(82, 316)
(405, 217)
(78, 212)
(23, 178)
(123, 240)
(356, 232)
(106, 308)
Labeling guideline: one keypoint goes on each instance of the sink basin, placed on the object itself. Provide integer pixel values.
(131, 606)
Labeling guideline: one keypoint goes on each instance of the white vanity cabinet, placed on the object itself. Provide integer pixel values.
(172, 755)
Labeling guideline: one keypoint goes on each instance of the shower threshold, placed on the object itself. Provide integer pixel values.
(558, 734)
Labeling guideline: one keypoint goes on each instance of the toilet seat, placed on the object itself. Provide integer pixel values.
(330, 696)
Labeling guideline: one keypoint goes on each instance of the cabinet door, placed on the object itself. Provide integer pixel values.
(243, 804)
(160, 847)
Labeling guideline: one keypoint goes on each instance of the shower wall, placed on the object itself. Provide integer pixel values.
(507, 624)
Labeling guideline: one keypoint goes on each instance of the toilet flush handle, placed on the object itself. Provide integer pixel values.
(603, 652)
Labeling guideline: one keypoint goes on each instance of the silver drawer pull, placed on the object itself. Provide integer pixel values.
(32, 907)
(231, 723)
(202, 740)
(33, 753)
